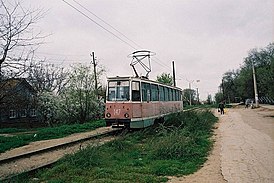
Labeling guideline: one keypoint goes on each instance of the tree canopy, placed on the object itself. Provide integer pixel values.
(238, 84)
(165, 78)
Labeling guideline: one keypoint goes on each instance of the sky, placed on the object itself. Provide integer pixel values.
(205, 38)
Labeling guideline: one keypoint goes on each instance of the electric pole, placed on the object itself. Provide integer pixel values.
(190, 96)
(198, 96)
(173, 69)
(255, 86)
(95, 74)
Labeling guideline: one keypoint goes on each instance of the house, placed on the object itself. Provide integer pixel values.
(18, 104)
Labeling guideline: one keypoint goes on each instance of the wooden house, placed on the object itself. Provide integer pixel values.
(18, 104)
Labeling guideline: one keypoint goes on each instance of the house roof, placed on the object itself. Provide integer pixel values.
(12, 83)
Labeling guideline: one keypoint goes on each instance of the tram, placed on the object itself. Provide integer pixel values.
(137, 102)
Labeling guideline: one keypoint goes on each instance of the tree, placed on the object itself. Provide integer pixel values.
(48, 81)
(228, 86)
(219, 97)
(45, 77)
(189, 94)
(165, 78)
(239, 85)
(17, 37)
(79, 100)
(209, 99)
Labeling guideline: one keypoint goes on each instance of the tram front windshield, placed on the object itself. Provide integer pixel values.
(118, 90)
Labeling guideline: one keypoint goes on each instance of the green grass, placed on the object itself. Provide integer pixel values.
(18, 140)
(177, 147)
(12, 130)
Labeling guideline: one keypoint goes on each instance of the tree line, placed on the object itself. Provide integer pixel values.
(237, 85)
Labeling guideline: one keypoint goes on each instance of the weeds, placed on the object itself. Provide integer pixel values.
(177, 147)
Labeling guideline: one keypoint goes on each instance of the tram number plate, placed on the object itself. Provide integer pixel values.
(117, 112)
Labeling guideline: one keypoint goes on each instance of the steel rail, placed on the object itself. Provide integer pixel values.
(48, 149)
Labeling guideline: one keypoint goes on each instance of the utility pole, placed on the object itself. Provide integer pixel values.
(255, 86)
(173, 69)
(190, 93)
(198, 96)
(95, 74)
(223, 89)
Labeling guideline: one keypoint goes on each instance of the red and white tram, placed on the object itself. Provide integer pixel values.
(135, 102)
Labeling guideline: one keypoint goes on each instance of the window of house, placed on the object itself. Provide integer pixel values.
(32, 112)
(24, 113)
(12, 114)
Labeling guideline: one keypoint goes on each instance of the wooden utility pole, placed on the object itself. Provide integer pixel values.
(173, 69)
(94, 70)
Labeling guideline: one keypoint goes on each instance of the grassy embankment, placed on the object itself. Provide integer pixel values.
(22, 137)
(177, 147)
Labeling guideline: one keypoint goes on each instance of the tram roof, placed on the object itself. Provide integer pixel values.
(140, 79)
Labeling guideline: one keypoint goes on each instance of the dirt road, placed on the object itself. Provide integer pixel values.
(243, 150)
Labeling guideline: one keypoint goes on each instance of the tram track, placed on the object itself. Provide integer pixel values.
(31, 161)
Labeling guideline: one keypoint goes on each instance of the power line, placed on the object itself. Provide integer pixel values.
(85, 15)
(58, 54)
(107, 24)
(159, 62)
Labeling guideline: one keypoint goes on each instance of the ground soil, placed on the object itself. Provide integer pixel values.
(243, 149)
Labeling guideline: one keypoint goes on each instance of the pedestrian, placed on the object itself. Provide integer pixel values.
(221, 107)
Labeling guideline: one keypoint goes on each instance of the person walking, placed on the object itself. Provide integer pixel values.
(221, 107)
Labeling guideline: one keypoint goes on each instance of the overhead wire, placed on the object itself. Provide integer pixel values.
(107, 24)
(85, 15)
(159, 62)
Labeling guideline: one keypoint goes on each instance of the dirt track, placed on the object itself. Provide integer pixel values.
(243, 149)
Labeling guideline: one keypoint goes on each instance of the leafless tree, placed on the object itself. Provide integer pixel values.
(46, 77)
(18, 38)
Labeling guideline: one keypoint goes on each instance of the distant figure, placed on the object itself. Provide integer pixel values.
(246, 105)
(252, 105)
(221, 107)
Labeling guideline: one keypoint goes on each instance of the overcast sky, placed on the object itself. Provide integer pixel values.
(205, 38)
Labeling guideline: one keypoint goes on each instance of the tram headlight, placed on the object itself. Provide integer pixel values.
(108, 115)
(126, 115)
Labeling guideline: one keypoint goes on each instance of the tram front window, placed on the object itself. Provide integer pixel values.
(118, 90)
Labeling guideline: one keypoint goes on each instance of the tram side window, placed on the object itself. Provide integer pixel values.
(166, 94)
(162, 93)
(170, 94)
(176, 95)
(136, 91)
(145, 91)
(154, 93)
